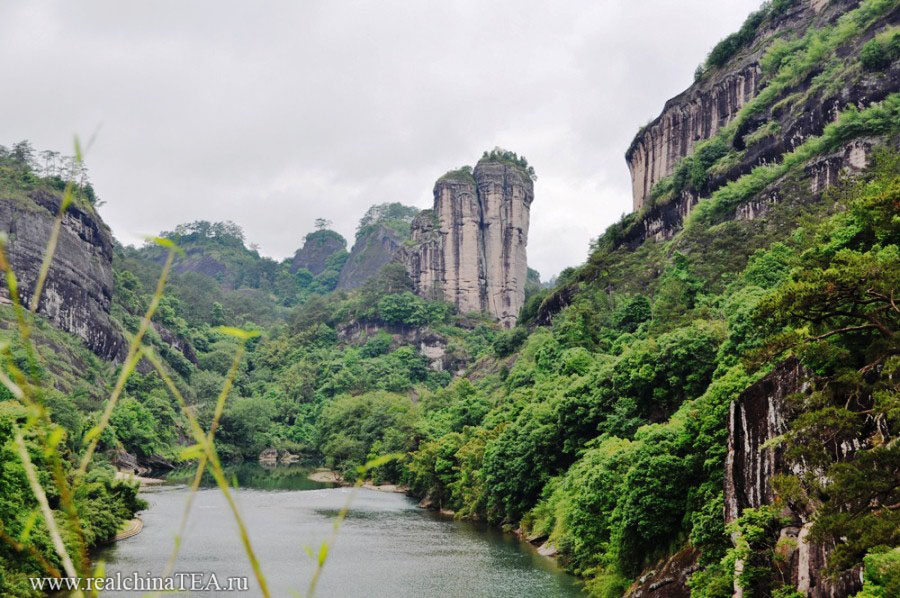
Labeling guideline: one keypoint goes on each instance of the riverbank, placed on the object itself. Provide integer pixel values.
(143, 481)
(326, 476)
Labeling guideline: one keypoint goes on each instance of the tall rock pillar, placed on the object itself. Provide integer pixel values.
(505, 195)
(470, 248)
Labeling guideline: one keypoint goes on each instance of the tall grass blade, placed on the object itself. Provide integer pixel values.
(131, 362)
(41, 497)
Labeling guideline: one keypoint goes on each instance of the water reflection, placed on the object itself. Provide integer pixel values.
(387, 547)
(252, 475)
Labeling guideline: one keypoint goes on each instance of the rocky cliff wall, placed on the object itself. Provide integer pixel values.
(662, 222)
(798, 112)
(693, 116)
(758, 416)
(317, 248)
(369, 255)
(470, 249)
(711, 103)
(79, 287)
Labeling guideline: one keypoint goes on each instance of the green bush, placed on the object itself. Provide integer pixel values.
(508, 342)
(879, 52)
(882, 574)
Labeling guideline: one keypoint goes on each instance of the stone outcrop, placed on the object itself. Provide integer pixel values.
(317, 248)
(758, 416)
(668, 579)
(370, 253)
(435, 347)
(715, 100)
(79, 287)
(470, 249)
(711, 103)
(662, 222)
(693, 116)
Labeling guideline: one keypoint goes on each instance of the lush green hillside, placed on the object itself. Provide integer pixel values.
(605, 431)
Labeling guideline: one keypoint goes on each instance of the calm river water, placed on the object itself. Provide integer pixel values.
(387, 547)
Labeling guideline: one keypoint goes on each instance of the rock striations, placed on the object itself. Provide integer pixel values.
(693, 116)
(370, 253)
(79, 287)
(719, 104)
(757, 419)
(470, 248)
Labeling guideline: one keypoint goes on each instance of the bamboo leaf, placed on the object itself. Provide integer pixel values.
(53, 441)
(236, 332)
(191, 453)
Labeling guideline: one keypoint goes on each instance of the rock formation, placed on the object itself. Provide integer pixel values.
(78, 291)
(756, 418)
(696, 114)
(317, 247)
(470, 248)
(668, 578)
(797, 113)
(370, 253)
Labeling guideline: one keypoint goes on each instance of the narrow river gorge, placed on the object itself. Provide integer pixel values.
(386, 547)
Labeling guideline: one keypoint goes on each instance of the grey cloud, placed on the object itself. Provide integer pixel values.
(272, 114)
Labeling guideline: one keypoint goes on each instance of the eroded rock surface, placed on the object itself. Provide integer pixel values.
(78, 291)
(317, 248)
(758, 416)
(668, 579)
(369, 255)
(470, 249)
(797, 113)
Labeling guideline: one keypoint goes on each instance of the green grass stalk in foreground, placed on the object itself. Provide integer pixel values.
(24, 389)
(131, 360)
(325, 548)
(206, 454)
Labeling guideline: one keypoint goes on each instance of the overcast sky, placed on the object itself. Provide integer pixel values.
(272, 114)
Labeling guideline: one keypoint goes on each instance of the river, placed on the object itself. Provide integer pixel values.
(387, 547)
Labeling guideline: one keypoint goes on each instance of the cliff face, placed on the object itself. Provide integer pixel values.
(317, 248)
(79, 287)
(692, 116)
(662, 222)
(758, 416)
(470, 248)
(794, 113)
(369, 255)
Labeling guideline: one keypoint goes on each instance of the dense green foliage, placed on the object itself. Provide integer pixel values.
(880, 51)
(394, 216)
(101, 503)
(498, 154)
(605, 432)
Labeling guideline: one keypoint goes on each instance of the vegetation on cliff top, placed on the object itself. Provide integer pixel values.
(23, 170)
(394, 216)
(726, 49)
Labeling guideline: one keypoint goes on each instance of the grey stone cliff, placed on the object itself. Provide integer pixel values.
(714, 101)
(759, 416)
(369, 255)
(470, 249)
(78, 292)
(317, 248)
